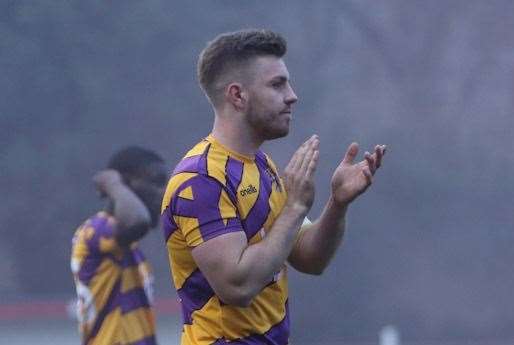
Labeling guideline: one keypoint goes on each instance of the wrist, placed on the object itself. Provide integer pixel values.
(340, 205)
(297, 209)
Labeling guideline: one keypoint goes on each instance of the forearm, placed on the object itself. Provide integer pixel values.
(260, 261)
(319, 242)
(246, 269)
(131, 214)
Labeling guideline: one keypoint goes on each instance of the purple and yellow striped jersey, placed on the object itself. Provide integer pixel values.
(214, 191)
(113, 287)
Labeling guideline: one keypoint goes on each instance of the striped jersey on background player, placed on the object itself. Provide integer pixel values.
(112, 278)
(113, 286)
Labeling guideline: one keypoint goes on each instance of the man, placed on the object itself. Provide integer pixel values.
(230, 222)
(112, 278)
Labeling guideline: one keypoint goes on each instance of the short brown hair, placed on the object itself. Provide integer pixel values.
(231, 51)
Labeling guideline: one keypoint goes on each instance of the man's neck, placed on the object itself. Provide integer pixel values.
(234, 133)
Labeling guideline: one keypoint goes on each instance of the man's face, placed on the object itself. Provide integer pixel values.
(150, 188)
(270, 98)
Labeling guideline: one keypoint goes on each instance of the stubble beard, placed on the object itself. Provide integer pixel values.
(262, 124)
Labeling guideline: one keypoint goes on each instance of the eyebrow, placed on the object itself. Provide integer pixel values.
(280, 78)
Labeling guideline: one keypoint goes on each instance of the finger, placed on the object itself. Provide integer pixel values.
(368, 175)
(302, 151)
(378, 156)
(293, 162)
(313, 164)
(371, 161)
(351, 153)
(302, 169)
(300, 154)
(311, 149)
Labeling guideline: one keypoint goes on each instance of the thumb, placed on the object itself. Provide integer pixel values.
(351, 153)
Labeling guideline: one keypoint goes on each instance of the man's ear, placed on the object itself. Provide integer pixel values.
(236, 95)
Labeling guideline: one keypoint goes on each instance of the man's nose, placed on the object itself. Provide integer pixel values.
(291, 97)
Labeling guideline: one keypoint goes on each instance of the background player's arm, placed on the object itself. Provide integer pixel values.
(318, 241)
(237, 271)
(132, 216)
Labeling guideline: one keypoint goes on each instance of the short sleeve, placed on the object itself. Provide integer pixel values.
(202, 210)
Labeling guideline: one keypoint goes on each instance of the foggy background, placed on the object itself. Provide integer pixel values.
(428, 247)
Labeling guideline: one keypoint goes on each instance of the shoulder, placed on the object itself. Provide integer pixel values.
(267, 164)
(101, 224)
(265, 159)
(96, 233)
(190, 166)
(203, 169)
(194, 160)
(205, 161)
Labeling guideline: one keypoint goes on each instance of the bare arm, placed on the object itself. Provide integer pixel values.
(319, 241)
(131, 214)
(238, 271)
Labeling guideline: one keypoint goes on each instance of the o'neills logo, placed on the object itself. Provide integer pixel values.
(248, 190)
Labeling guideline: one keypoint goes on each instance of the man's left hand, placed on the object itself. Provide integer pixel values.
(352, 179)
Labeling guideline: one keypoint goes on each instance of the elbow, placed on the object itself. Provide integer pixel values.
(144, 220)
(139, 220)
(318, 268)
(135, 226)
(315, 270)
(236, 296)
(143, 223)
(125, 236)
(237, 301)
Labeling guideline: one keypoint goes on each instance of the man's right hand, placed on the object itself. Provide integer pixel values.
(106, 180)
(299, 175)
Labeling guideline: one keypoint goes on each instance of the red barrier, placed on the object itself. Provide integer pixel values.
(63, 309)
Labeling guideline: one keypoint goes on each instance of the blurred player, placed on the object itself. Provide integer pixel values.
(112, 278)
(230, 222)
